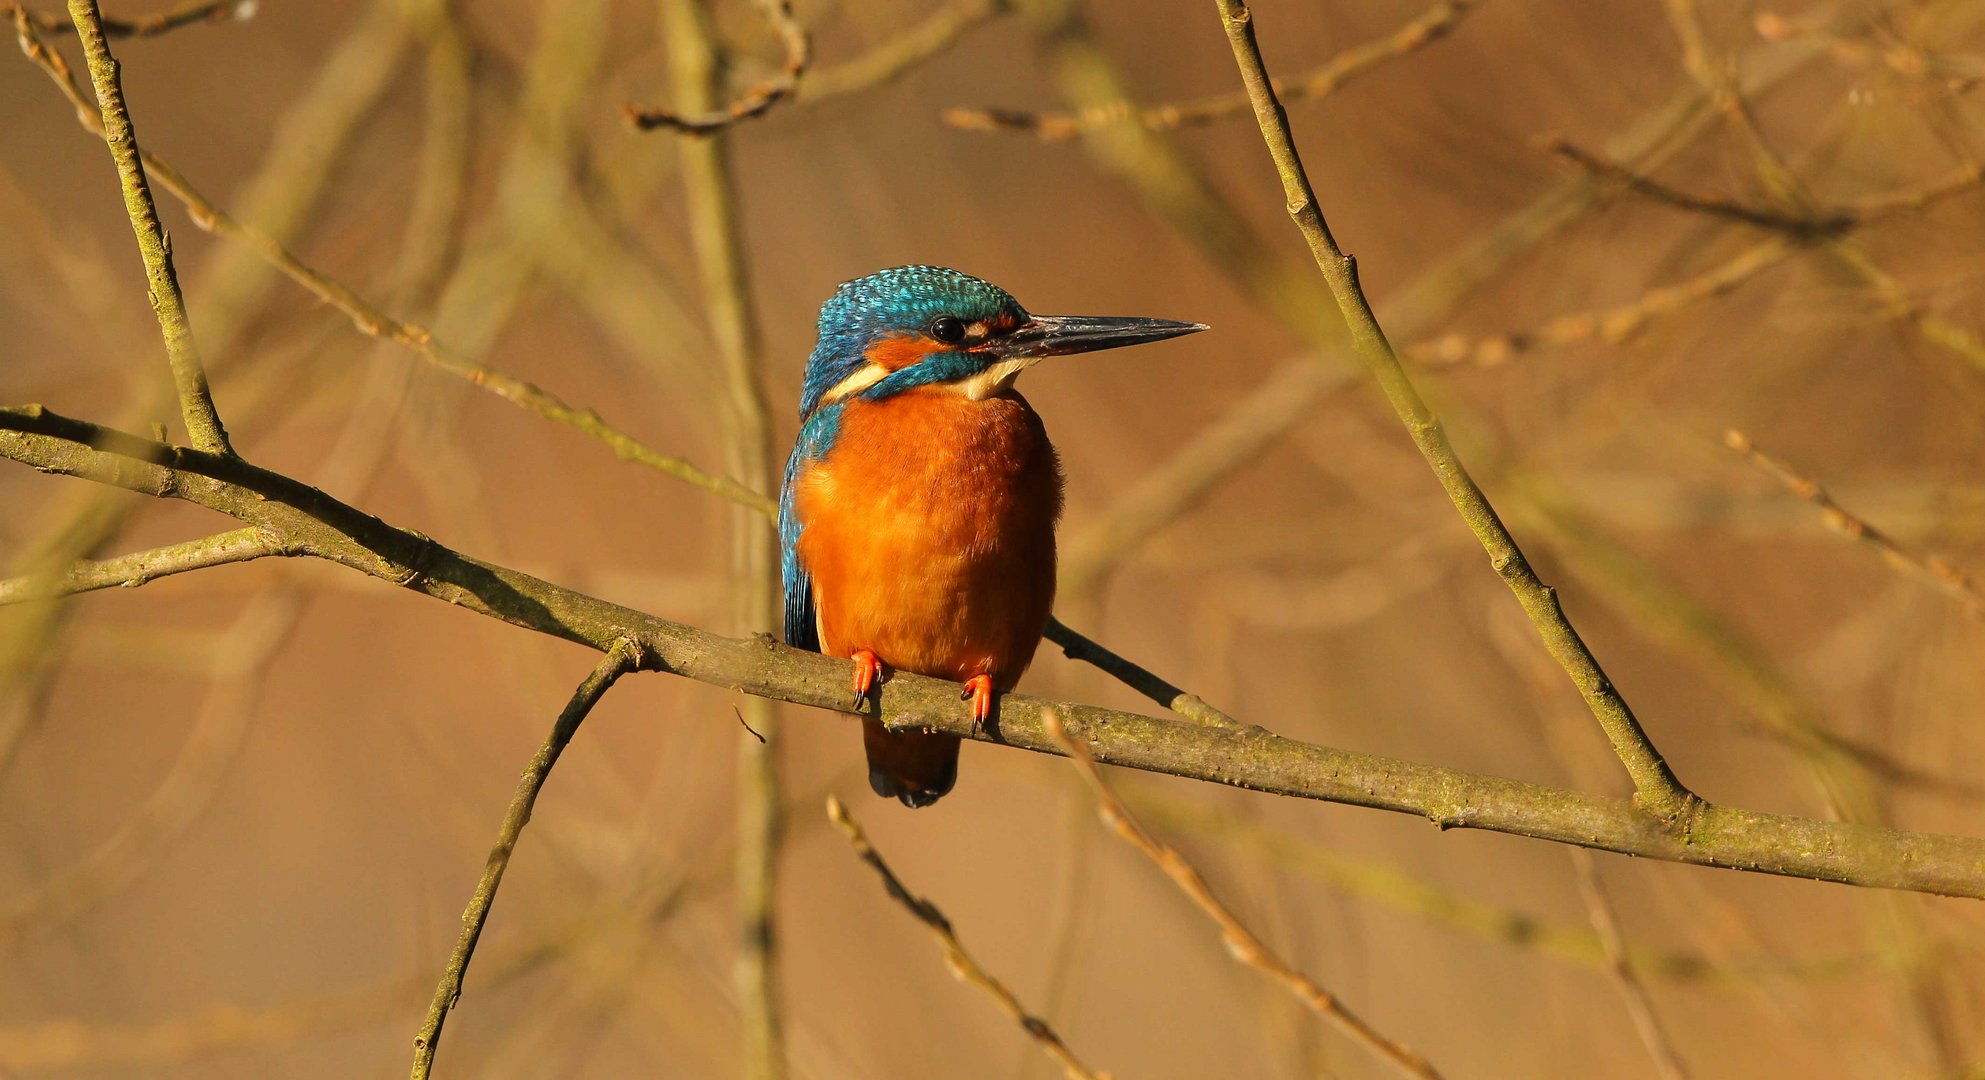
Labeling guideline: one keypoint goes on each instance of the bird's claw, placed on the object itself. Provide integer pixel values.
(868, 669)
(979, 691)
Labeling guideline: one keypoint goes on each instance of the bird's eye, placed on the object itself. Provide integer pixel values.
(947, 329)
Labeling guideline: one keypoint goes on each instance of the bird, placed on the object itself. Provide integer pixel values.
(917, 515)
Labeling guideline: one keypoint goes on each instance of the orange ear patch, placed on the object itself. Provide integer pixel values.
(899, 351)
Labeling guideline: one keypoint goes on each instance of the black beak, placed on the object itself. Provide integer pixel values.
(1057, 335)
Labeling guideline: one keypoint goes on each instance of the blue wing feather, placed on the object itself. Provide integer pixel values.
(815, 439)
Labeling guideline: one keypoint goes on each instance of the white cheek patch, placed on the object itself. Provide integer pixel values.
(863, 378)
(995, 379)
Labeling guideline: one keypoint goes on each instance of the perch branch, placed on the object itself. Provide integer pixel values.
(961, 962)
(621, 657)
(320, 526)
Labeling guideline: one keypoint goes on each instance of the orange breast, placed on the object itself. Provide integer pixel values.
(928, 530)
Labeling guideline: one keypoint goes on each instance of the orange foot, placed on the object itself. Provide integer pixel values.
(979, 689)
(867, 670)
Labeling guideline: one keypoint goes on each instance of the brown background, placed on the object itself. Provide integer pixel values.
(250, 803)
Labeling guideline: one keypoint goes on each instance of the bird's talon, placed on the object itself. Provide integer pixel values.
(979, 688)
(867, 670)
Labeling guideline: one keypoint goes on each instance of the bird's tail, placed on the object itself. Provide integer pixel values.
(917, 767)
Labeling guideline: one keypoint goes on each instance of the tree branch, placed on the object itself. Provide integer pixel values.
(197, 11)
(1239, 940)
(1656, 788)
(756, 101)
(369, 319)
(196, 401)
(1421, 31)
(621, 657)
(143, 567)
(961, 962)
(322, 527)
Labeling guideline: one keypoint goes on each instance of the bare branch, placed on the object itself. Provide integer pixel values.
(142, 567)
(1240, 941)
(621, 657)
(1612, 325)
(198, 11)
(1931, 568)
(1077, 647)
(323, 527)
(961, 962)
(1424, 29)
(1791, 224)
(1607, 924)
(891, 58)
(196, 401)
(369, 319)
(1655, 786)
(756, 101)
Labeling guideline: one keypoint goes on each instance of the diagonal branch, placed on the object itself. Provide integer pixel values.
(143, 567)
(374, 321)
(1423, 30)
(196, 401)
(621, 657)
(1934, 569)
(1240, 941)
(961, 962)
(322, 527)
(187, 14)
(756, 101)
(1656, 788)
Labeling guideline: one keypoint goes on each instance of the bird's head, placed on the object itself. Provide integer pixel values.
(913, 326)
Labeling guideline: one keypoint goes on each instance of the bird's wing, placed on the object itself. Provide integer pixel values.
(816, 437)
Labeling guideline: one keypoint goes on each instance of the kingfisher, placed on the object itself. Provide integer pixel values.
(917, 518)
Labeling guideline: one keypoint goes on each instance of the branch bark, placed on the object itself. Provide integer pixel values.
(322, 527)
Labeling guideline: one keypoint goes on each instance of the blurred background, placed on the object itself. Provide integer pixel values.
(241, 810)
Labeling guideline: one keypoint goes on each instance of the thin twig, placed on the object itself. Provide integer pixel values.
(1424, 29)
(142, 567)
(752, 103)
(196, 401)
(1390, 886)
(1797, 225)
(1075, 646)
(1656, 787)
(1240, 941)
(371, 320)
(1600, 910)
(620, 658)
(198, 11)
(961, 962)
(891, 58)
(1934, 569)
(1613, 325)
